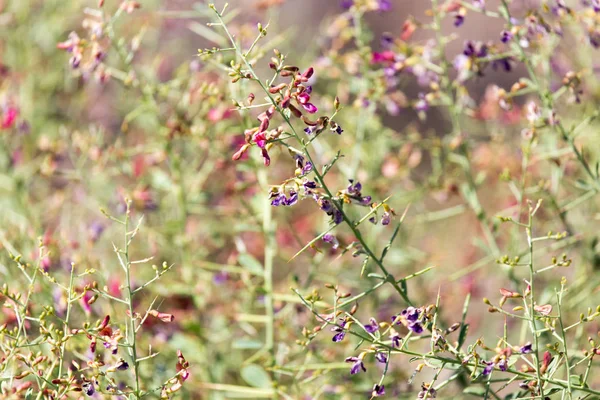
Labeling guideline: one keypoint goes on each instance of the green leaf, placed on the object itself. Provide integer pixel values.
(247, 344)
(475, 391)
(256, 376)
(250, 263)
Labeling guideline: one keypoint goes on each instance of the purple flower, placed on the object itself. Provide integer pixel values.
(308, 185)
(307, 168)
(357, 365)
(381, 357)
(338, 130)
(396, 339)
(422, 104)
(310, 107)
(384, 5)
(459, 20)
(378, 391)
(293, 199)
(346, 4)
(386, 218)
(387, 40)
(338, 337)
(341, 333)
(416, 328)
(89, 388)
(337, 217)
(505, 36)
(122, 365)
(309, 130)
(279, 200)
(372, 326)
(503, 365)
(411, 314)
(488, 368)
(527, 348)
(326, 206)
(331, 239)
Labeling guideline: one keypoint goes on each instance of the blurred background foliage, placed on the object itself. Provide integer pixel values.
(161, 130)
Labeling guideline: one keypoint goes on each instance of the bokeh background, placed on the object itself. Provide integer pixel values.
(159, 128)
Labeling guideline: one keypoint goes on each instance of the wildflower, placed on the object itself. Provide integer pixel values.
(422, 104)
(386, 218)
(427, 392)
(411, 314)
(505, 36)
(381, 357)
(488, 368)
(395, 338)
(331, 239)
(307, 168)
(309, 130)
(164, 317)
(9, 117)
(372, 326)
(378, 390)
(341, 333)
(384, 5)
(416, 328)
(122, 365)
(357, 365)
(544, 310)
(527, 348)
(89, 388)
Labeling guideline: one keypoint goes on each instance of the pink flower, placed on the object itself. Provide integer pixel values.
(9, 117)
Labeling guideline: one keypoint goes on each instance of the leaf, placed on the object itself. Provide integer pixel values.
(475, 391)
(247, 344)
(256, 376)
(250, 263)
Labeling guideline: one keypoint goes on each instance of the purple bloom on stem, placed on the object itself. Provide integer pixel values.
(338, 337)
(386, 218)
(416, 328)
(386, 40)
(372, 326)
(378, 391)
(357, 365)
(309, 185)
(488, 369)
(331, 239)
(503, 365)
(459, 20)
(88, 388)
(505, 36)
(421, 104)
(526, 349)
(279, 200)
(310, 107)
(411, 314)
(396, 340)
(341, 334)
(309, 130)
(339, 130)
(307, 168)
(381, 357)
(337, 217)
(293, 199)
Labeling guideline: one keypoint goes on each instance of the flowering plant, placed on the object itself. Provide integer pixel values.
(301, 212)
